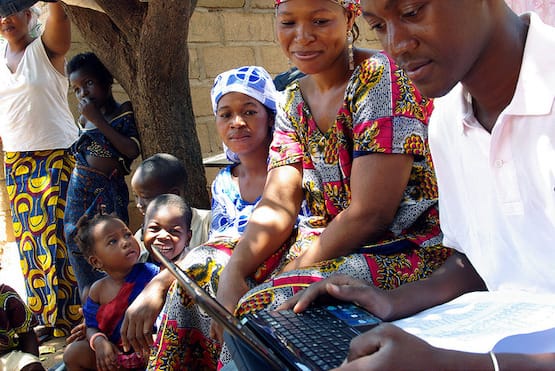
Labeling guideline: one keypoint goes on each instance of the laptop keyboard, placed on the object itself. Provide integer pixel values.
(314, 334)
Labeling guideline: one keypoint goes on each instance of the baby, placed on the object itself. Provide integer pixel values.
(108, 245)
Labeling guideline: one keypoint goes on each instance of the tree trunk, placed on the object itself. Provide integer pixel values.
(144, 45)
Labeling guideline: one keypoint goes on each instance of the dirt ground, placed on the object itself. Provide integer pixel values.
(51, 354)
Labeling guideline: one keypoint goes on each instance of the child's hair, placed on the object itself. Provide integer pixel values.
(169, 200)
(90, 62)
(84, 237)
(167, 169)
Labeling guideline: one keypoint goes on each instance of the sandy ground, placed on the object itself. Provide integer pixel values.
(10, 274)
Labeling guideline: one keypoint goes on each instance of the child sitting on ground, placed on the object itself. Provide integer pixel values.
(19, 345)
(108, 245)
(167, 226)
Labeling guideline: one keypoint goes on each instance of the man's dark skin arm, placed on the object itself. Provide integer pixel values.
(387, 347)
(454, 278)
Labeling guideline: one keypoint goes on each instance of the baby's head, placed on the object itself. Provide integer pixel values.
(107, 243)
(167, 225)
(159, 174)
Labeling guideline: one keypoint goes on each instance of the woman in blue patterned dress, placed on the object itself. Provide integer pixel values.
(244, 103)
(107, 145)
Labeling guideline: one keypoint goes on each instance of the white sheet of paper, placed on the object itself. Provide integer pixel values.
(476, 322)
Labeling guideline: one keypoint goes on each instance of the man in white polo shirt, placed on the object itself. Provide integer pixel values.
(492, 137)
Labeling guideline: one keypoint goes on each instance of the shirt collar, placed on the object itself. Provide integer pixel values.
(534, 92)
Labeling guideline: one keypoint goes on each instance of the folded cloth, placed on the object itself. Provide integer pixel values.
(9, 7)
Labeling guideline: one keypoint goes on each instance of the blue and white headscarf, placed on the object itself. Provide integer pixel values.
(253, 81)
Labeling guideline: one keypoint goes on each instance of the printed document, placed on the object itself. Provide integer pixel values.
(503, 321)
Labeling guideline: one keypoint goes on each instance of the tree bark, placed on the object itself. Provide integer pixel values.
(144, 45)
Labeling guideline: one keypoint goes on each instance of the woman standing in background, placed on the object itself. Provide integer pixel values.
(37, 129)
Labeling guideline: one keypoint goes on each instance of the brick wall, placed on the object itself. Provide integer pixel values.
(232, 33)
(224, 34)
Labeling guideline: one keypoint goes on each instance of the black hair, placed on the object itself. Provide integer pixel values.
(84, 237)
(167, 169)
(89, 61)
(169, 200)
(356, 32)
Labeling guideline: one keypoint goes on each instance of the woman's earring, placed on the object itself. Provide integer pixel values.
(351, 55)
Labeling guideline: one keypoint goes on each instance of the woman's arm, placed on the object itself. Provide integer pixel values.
(268, 228)
(377, 185)
(140, 316)
(271, 222)
(57, 35)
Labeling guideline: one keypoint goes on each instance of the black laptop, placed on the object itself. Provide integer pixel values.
(316, 339)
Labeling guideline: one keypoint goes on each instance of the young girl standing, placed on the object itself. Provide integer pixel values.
(108, 245)
(107, 145)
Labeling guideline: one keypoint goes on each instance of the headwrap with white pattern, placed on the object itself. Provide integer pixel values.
(253, 81)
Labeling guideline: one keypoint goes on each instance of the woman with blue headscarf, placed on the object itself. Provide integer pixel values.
(244, 103)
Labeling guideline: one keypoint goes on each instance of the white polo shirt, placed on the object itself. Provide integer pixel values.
(497, 191)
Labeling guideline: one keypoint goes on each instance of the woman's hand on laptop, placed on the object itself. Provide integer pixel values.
(345, 288)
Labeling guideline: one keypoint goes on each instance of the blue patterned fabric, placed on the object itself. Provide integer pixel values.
(89, 188)
(253, 81)
(230, 213)
(93, 142)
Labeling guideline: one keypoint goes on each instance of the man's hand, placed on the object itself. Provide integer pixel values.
(387, 347)
(344, 288)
